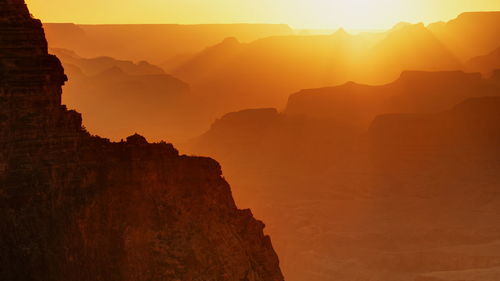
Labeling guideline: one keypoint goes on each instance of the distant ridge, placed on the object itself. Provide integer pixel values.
(470, 34)
(151, 42)
(413, 91)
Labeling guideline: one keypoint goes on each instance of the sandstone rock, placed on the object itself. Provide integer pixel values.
(78, 207)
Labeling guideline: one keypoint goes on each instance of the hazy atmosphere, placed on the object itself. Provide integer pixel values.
(265, 140)
(315, 14)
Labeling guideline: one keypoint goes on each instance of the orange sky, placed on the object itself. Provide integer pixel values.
(351, 14)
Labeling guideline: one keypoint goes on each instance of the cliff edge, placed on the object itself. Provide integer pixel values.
(78, 207)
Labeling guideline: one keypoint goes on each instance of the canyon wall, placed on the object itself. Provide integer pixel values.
(78, 207)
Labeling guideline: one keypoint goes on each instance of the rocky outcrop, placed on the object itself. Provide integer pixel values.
(118, 97)
(78, 207)
(412, 194)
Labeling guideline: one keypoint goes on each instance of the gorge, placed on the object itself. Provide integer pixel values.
(78, 207)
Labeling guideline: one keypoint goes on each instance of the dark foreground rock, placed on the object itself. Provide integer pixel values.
(78, 207)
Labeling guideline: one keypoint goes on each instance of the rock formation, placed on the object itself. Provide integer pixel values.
(78, 207)
(118, 97)
(413, 92)
(413, 194)
(233, 72)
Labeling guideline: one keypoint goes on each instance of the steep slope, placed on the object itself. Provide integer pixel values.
(116, 103)
(77, 207)
(303, 62)
(291, 63)
(118, 98)
(412, 194)
(209, 60)
(407, 47)
(470, 34)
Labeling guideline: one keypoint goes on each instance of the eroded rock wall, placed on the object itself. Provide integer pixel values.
(78, 207)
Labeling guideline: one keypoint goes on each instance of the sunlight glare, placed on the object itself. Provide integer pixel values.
(358, 14)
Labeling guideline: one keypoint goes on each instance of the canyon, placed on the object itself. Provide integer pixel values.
(171, 81)
(370, 156)
(78, 207)
(396, 182)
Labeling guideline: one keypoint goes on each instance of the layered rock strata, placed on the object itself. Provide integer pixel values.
(78, 207)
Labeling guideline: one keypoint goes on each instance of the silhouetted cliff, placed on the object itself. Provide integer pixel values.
(118, 97)
(413, 194)
(78, 207)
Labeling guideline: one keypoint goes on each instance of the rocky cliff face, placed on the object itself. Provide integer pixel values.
(78, 207)
(413, 195)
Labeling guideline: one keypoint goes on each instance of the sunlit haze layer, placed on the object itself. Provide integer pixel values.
(351, 14)
(250, 140)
